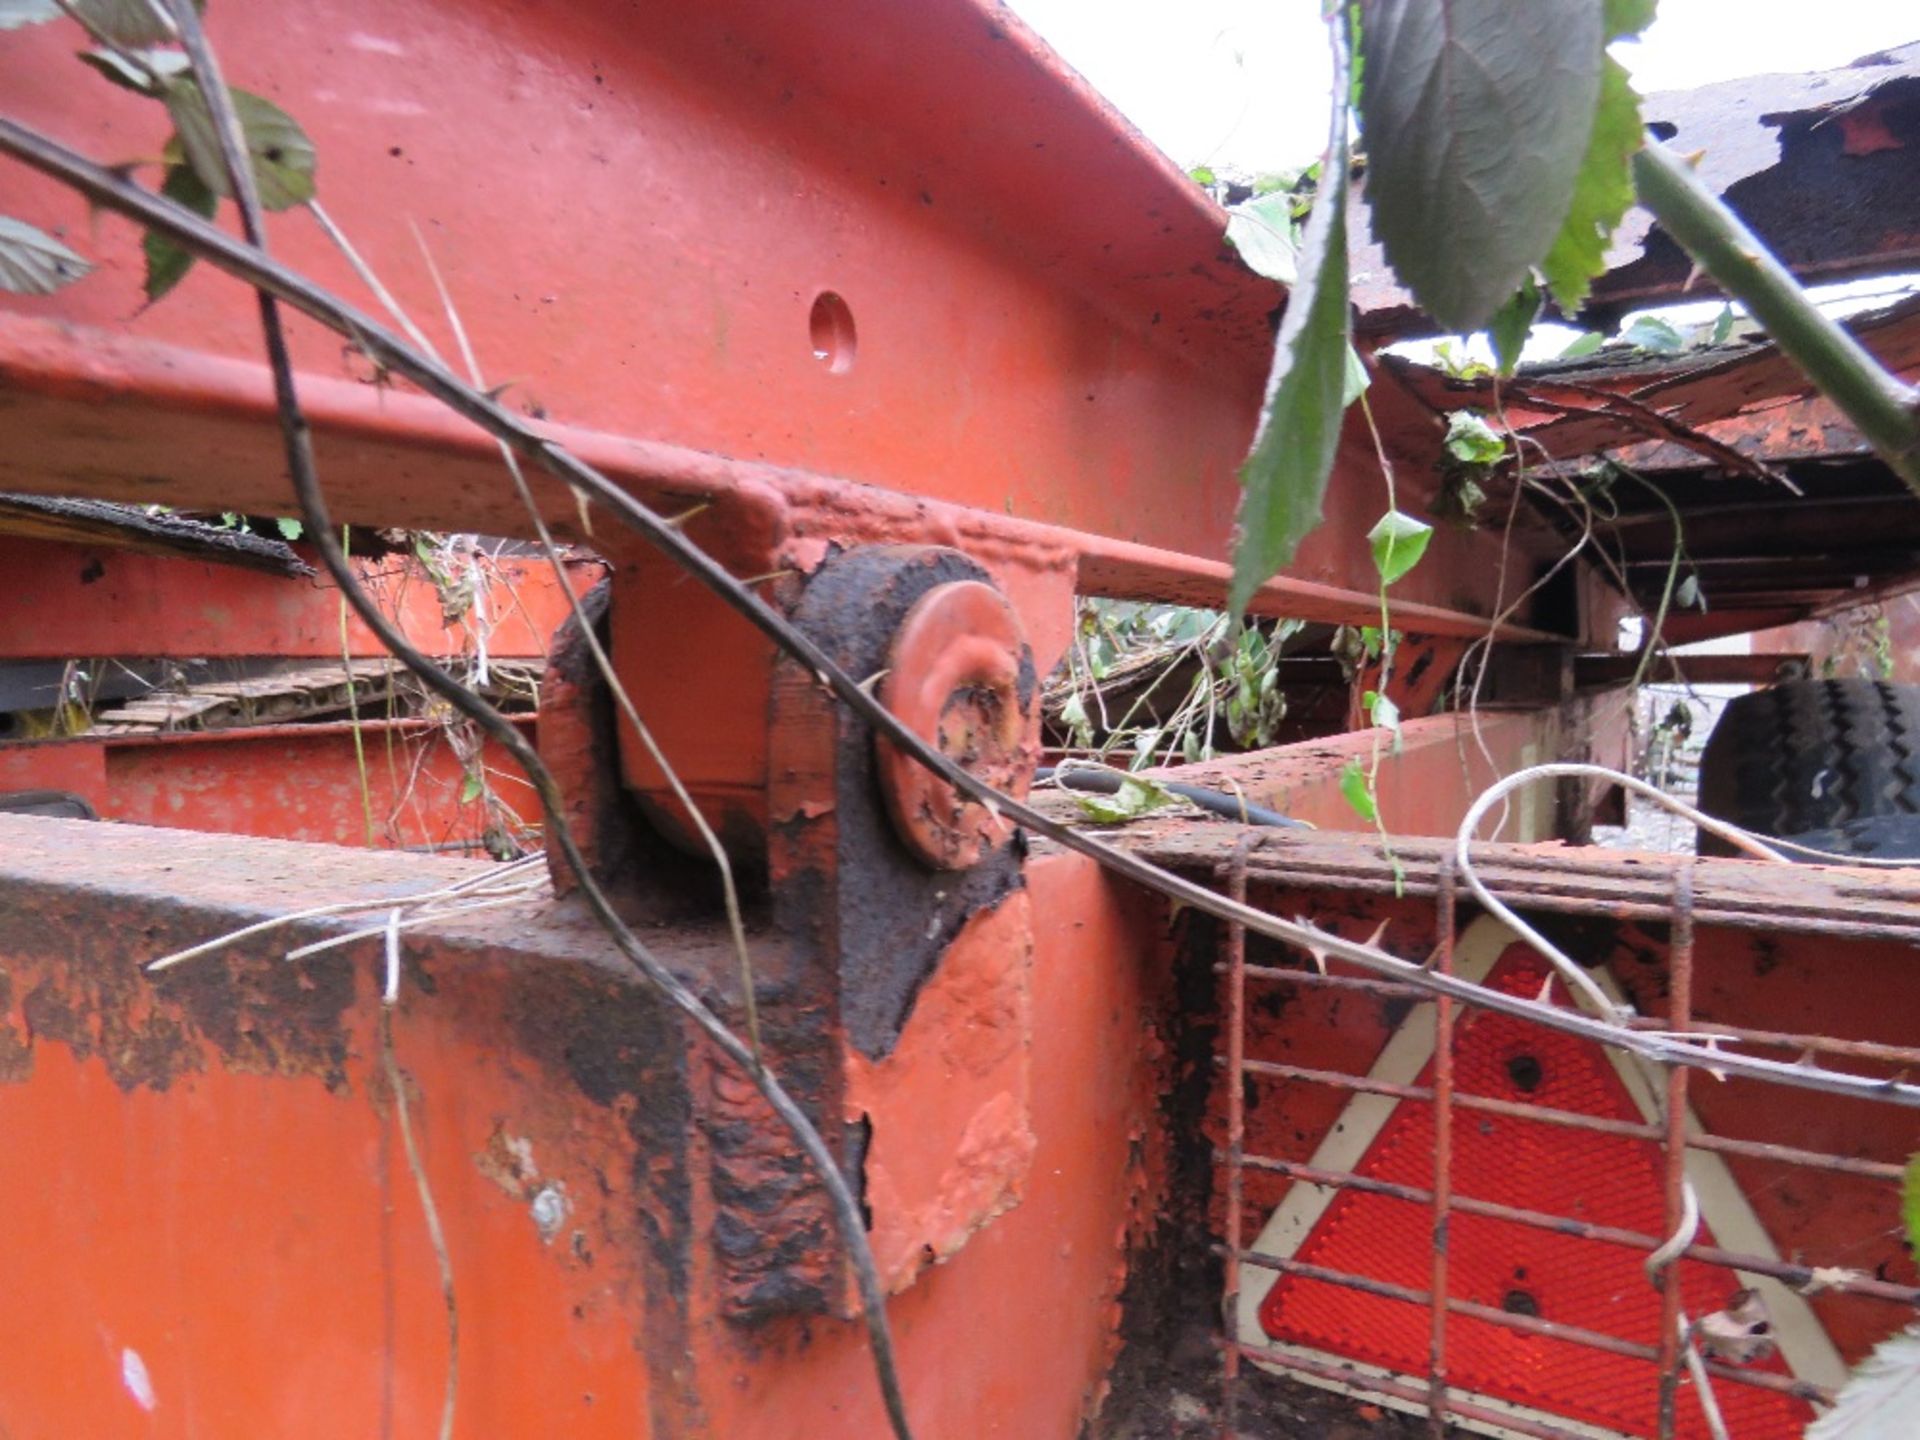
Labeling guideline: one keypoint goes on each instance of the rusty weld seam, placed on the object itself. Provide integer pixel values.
(112, 192)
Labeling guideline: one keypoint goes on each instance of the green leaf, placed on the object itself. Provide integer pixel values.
(1359, 792)
(1584, 344)
(289, 528)
(1398, 542)
(1476, 115)
(1722, 325)
(1262, 230)
(167, 260)
(1881, 1398)
(32, 262)
(1602, 192)
(17, 13)
(1202, 175)
(283, 157)
(163, 65)
(1472, 441)
(471, 787)
(1654, 335)
(1285, 474)
(1134, 798)
(1622, 18)
(1512, 323)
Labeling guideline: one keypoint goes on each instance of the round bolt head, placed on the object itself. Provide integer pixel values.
(955, 676)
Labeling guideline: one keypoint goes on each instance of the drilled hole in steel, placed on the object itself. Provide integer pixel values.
(1525, 1072)
(1520, 1302)
(831, 326)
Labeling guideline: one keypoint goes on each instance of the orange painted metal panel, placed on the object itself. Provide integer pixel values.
(210, 1170)
(291, 782)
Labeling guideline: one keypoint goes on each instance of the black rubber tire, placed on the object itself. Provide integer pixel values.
(1813, 755)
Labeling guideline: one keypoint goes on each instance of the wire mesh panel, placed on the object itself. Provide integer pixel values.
(1520, 1230)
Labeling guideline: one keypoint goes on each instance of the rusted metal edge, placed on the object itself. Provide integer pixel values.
(134, 527)
(1827, 899)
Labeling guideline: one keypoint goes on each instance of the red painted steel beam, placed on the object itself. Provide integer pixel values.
(74, 601)
(288, 782)
(1045, 322)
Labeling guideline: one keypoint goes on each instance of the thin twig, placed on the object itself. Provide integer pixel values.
(402, 1109)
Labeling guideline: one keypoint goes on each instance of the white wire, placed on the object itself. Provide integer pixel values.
(487, 878)
(419, 917)
(391, 994)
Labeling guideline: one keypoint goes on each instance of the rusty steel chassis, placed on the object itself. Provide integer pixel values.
(1112, 402)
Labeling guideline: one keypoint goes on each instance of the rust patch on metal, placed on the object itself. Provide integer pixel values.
(16, 1044)
(89, 993)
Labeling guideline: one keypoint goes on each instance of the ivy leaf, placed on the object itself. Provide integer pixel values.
(1359, 794)
(1583, 345)
(1881, 1398)
(1285, 474)
(167, 260)
(1602, 192)
(471, 787)
(14, 14)
(1655, 336)
(1262, 231)
(1722, 325)
(1134, 798)
(164, 64)
(1202, 175)
(1512, 323)
(32, 262)
(290, 529)
(283, 157)
(1398, 542)
(1477, 115)
(1472, 441)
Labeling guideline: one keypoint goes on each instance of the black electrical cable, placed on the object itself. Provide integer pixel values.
(1219, 802)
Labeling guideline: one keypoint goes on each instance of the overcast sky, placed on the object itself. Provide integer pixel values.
(1243, 83)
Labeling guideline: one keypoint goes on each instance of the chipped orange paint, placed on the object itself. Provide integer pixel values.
(255, 1239)
(1010, 1338)
(950, 1106)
